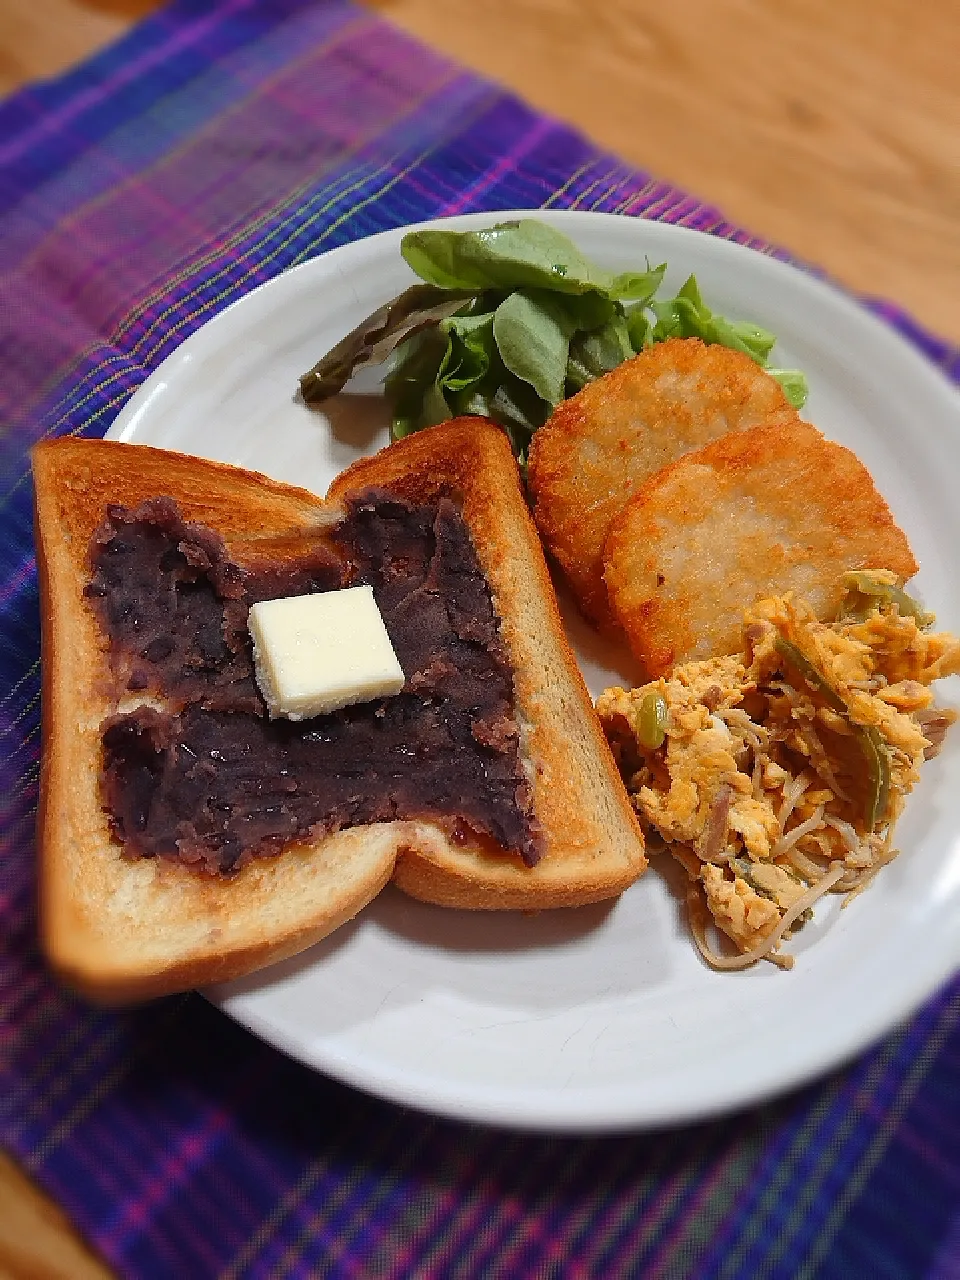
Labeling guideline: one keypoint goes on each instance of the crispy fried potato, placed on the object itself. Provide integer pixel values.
(758, 512)
(599, 446)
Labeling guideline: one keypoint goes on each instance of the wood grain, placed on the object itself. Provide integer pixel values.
(831, 127)
(38, 38)
(36, 1241)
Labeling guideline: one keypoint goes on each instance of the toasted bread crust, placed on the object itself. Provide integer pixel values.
(119, 929)
(592, 841)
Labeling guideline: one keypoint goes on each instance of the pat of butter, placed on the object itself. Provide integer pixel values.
(320, 652)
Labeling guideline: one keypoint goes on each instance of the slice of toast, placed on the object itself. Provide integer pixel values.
(592, 844)
(123, 928)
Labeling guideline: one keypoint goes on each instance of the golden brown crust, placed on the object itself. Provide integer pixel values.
(78, 478)
(593, 845)
(482, 879)
(600, 446)
(755, 513)
(119, 929)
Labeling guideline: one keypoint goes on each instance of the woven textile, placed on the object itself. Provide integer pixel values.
(216, 145)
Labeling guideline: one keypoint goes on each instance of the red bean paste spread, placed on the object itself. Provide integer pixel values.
(212, 781)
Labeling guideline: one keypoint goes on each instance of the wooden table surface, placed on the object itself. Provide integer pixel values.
(831, 127)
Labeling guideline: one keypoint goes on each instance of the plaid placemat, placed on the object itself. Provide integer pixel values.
(216, 145)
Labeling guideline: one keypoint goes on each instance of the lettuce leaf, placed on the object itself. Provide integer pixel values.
(794, 385)
(598, 351)
(532, 331)
(688, 316)
(513, 318)
(518, 255)
(373, 340)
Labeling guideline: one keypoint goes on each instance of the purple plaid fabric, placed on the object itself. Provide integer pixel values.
(216, 145)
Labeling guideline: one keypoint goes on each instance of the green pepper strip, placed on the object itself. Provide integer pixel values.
(651, 726)
(878, 763)
(742, 868)
(811, 674)
(869, 738)
(885, 592)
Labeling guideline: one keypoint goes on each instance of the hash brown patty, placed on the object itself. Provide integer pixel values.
(759, 512)
(599, 446)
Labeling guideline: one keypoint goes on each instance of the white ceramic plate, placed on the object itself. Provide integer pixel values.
(603, 1017)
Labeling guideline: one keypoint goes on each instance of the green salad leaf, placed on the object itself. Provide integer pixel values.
(598, 351)
(518, 255)
(376, 338)
(688, 316)
(794, 385)
(532, 332)
(513, 318)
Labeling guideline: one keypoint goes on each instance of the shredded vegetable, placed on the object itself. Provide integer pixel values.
(781, 773)
(767, 949)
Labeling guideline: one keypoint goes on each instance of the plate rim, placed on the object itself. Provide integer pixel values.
(824, 289)
(545, 1111)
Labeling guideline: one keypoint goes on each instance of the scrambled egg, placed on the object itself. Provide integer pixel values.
(778, 774)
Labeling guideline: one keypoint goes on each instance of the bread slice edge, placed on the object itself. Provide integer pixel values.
(119, 929)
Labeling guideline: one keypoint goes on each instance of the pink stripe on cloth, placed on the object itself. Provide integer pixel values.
(506, 164)
(21, 577)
